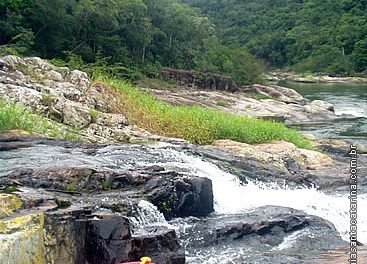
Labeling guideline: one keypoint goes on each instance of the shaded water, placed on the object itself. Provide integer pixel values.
(350, 102)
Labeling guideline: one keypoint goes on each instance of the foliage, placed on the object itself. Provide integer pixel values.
(309, 35)
(197, 124)
(124, 39)
(233, 61)
(16, 117)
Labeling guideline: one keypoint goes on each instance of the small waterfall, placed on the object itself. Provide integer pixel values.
(147, 214)
(231, 196)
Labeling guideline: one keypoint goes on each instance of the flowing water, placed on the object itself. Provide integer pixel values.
(350, 103)
(233, 200)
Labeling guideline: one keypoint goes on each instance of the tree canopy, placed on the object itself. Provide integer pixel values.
(306, 35)
(137, 34)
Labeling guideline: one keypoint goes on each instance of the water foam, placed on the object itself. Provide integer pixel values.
(233, 197)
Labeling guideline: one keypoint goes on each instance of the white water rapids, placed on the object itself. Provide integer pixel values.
(233, 197)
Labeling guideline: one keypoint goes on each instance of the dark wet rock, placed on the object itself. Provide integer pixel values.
(65, 235)
(5, 146)
(70, 179)
(82, 230)
(162, 248)
(278, 223)
(269, 234)
(20, 139)
(108, 239)
(182, 197)
(200, 80)
(174, 194)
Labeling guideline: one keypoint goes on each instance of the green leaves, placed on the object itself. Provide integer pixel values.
(309, 35)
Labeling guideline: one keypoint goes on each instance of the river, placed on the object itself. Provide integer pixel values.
(235, 201)
(350, 103)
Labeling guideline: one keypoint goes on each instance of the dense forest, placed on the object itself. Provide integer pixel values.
(132, 38)
(304, 35)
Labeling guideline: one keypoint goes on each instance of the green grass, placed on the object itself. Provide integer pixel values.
(197, 124)
(16, 117)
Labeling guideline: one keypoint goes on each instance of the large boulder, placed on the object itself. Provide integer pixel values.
(181, 197)
(21, 239)
(280, 93)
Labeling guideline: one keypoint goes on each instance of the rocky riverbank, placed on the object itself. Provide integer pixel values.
(87, 200)
(68, 97)
(220, 92)
(100, 201)
(277, 76)
(84, 209)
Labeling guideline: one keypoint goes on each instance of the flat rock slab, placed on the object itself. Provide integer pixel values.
(341, 255)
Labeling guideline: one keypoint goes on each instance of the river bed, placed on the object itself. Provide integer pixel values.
(350, 104)
(235, 201)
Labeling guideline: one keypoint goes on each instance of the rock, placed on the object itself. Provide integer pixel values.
(57, 228)
(65, 235)
(341, 255)
(278, 92)
(275, 220)
(6, 146)
(267, 234)
(21, 239)
(197, 200)
(79, 78)
(68, 97)
(315, 78)
(163, 248)
(8, 204)
(109, 241)
(279, 161)
(181, 197)
(75, 115)
(200, 80)
(278, 150)
(285, 104)
(322, 105)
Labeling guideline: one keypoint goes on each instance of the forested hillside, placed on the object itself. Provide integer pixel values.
(132, 37)
(306, 35)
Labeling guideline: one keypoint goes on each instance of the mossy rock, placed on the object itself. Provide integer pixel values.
(21, 239)
(8, 204)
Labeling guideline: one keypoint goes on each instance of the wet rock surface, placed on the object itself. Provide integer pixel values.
(89, 195)
(267, 234)
(84, 197)
(279, 161)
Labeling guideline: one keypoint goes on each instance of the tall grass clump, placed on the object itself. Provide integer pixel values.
(17, 117)
(198, 124)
